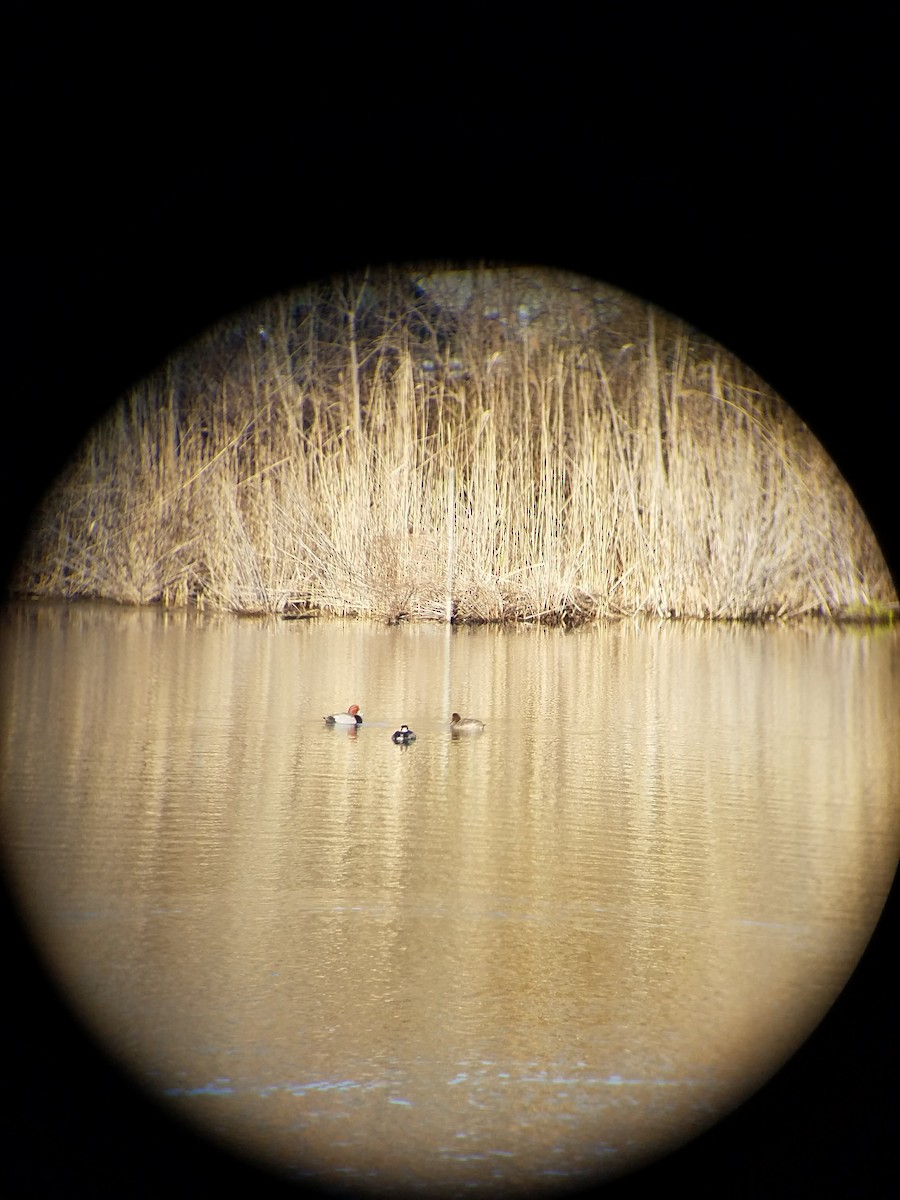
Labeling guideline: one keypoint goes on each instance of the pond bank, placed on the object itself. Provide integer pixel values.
(537, 468)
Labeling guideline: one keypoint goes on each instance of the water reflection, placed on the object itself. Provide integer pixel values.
(530, 956)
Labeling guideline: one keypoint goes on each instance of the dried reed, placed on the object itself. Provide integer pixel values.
(299, 459)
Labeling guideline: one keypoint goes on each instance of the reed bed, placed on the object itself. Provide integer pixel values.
(576, 457)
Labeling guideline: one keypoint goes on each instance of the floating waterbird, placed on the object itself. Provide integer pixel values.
(350, 717)
(403, 736)
(460, 724)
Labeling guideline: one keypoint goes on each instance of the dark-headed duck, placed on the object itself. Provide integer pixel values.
(460, 724)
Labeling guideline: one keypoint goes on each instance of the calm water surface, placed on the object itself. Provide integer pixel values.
(526, 958)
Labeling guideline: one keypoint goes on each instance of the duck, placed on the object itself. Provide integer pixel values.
(403, 736)
(460, 724)
(350, 717)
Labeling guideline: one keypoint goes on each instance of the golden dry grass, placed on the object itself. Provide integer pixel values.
(597, 463)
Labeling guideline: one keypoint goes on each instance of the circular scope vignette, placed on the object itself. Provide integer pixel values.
(525, 953)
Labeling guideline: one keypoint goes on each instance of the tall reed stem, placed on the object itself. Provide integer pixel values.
(451, 543)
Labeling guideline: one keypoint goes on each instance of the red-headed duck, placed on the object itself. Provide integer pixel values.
(403, 736)
(350, 717)
(460, 724)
